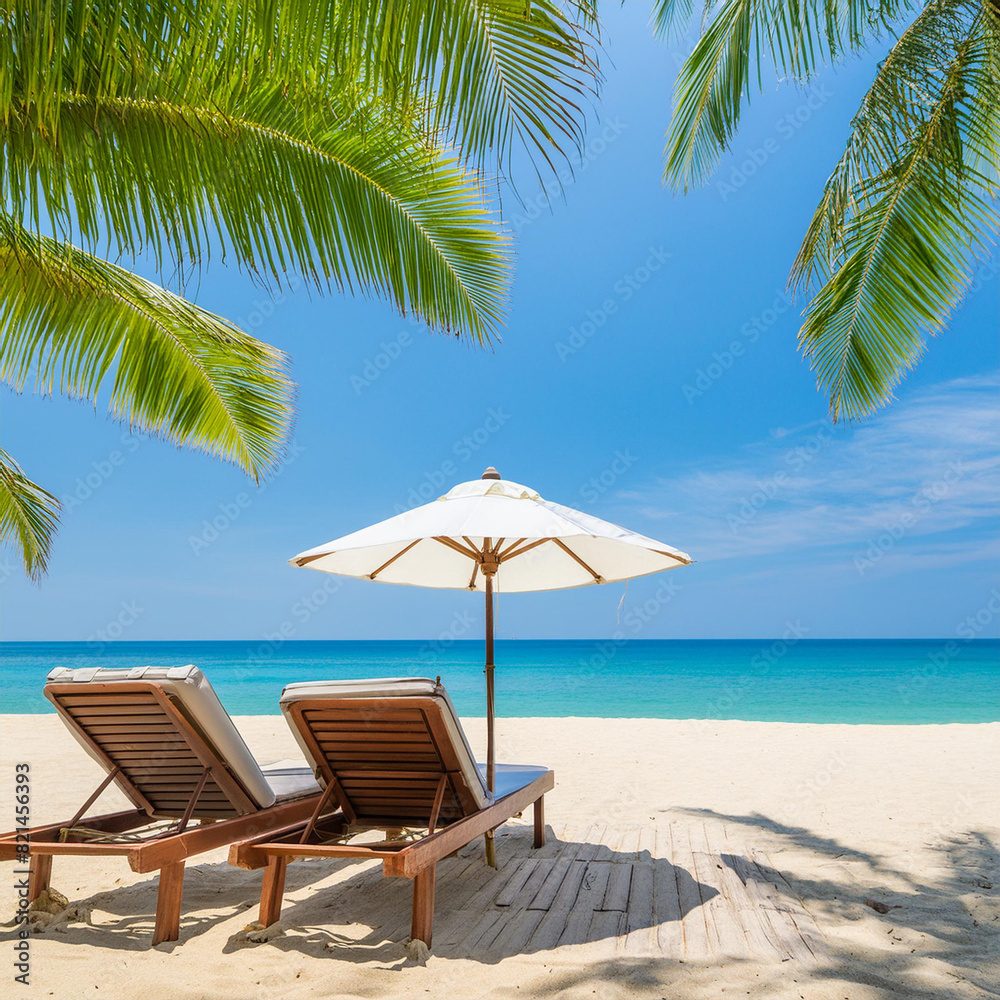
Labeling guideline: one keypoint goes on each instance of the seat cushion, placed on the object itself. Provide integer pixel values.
(290, 779)
(512, 777)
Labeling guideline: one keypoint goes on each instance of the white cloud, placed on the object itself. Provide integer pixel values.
(913, 484)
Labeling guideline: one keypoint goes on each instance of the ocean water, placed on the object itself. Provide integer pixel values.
(869, 681)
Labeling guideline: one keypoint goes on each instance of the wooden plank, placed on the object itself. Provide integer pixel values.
(607, 927)
(669, 936)
(619, 882)
(720, 911)
(647, 843)
(759, 938)
(772, 910)
(552, 926)
(593, 885)
(515, 883)
(548, 889)
(697, 944)
(804, 922)
(590, 842)
(315, 715)
(640, 933)
(96, 715)
(335, 735)
(385, 726)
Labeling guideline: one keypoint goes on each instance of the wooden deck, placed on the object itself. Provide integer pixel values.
(681, 892)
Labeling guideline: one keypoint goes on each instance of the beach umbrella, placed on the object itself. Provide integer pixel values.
(492, 534)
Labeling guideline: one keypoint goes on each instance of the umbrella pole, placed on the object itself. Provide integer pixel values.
(491, 766)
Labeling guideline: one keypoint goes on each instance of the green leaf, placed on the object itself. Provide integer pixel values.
(75, 324)
(345, 193)
(28, 517)
(906, 212)
(796, 36)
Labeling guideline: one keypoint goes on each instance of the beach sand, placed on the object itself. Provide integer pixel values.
(685, 860)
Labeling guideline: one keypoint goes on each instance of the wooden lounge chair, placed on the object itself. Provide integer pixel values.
(392, 755)
(168, 744)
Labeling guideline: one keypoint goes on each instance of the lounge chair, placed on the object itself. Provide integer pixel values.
(165, 740)
(391, 755)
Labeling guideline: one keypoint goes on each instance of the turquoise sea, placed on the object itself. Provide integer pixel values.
(873, 681)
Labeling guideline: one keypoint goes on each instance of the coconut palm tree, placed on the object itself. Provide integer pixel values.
(347, 143)
(912, 202)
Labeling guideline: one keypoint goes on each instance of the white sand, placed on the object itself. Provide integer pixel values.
(906, 815)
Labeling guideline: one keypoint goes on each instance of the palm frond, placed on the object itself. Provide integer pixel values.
(796, 36)
(75, 324)
(500, 71)
(907, 209)
(342, 192)
(28, 517)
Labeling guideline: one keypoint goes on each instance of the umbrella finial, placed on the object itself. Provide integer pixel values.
(491, 473)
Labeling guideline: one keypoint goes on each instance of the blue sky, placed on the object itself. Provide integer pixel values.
(616, 389)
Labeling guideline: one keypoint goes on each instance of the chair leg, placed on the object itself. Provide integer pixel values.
(540, 821)
(168, 903)
(272, 890)
(422, 924)
(39, 875)
(489, 842)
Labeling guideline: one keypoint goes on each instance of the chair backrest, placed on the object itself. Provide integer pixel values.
(162, 727)
(387, 743)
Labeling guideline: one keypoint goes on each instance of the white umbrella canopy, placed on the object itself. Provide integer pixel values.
(493, 530)
(489, 534)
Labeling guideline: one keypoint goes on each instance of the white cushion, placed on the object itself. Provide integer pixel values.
(290, 779)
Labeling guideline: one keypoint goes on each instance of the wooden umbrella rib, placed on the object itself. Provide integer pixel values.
(452, 544)
(674, 556)
(305, 560)
(510, 548)
(389, 562)
(524, 548)
(472, 581)
(597, 576)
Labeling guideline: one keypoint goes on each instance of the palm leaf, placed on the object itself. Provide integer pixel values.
(340, 193)
(906, 211)
(75, 324)
(796, 36)
(499, 71)
(28, 517)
